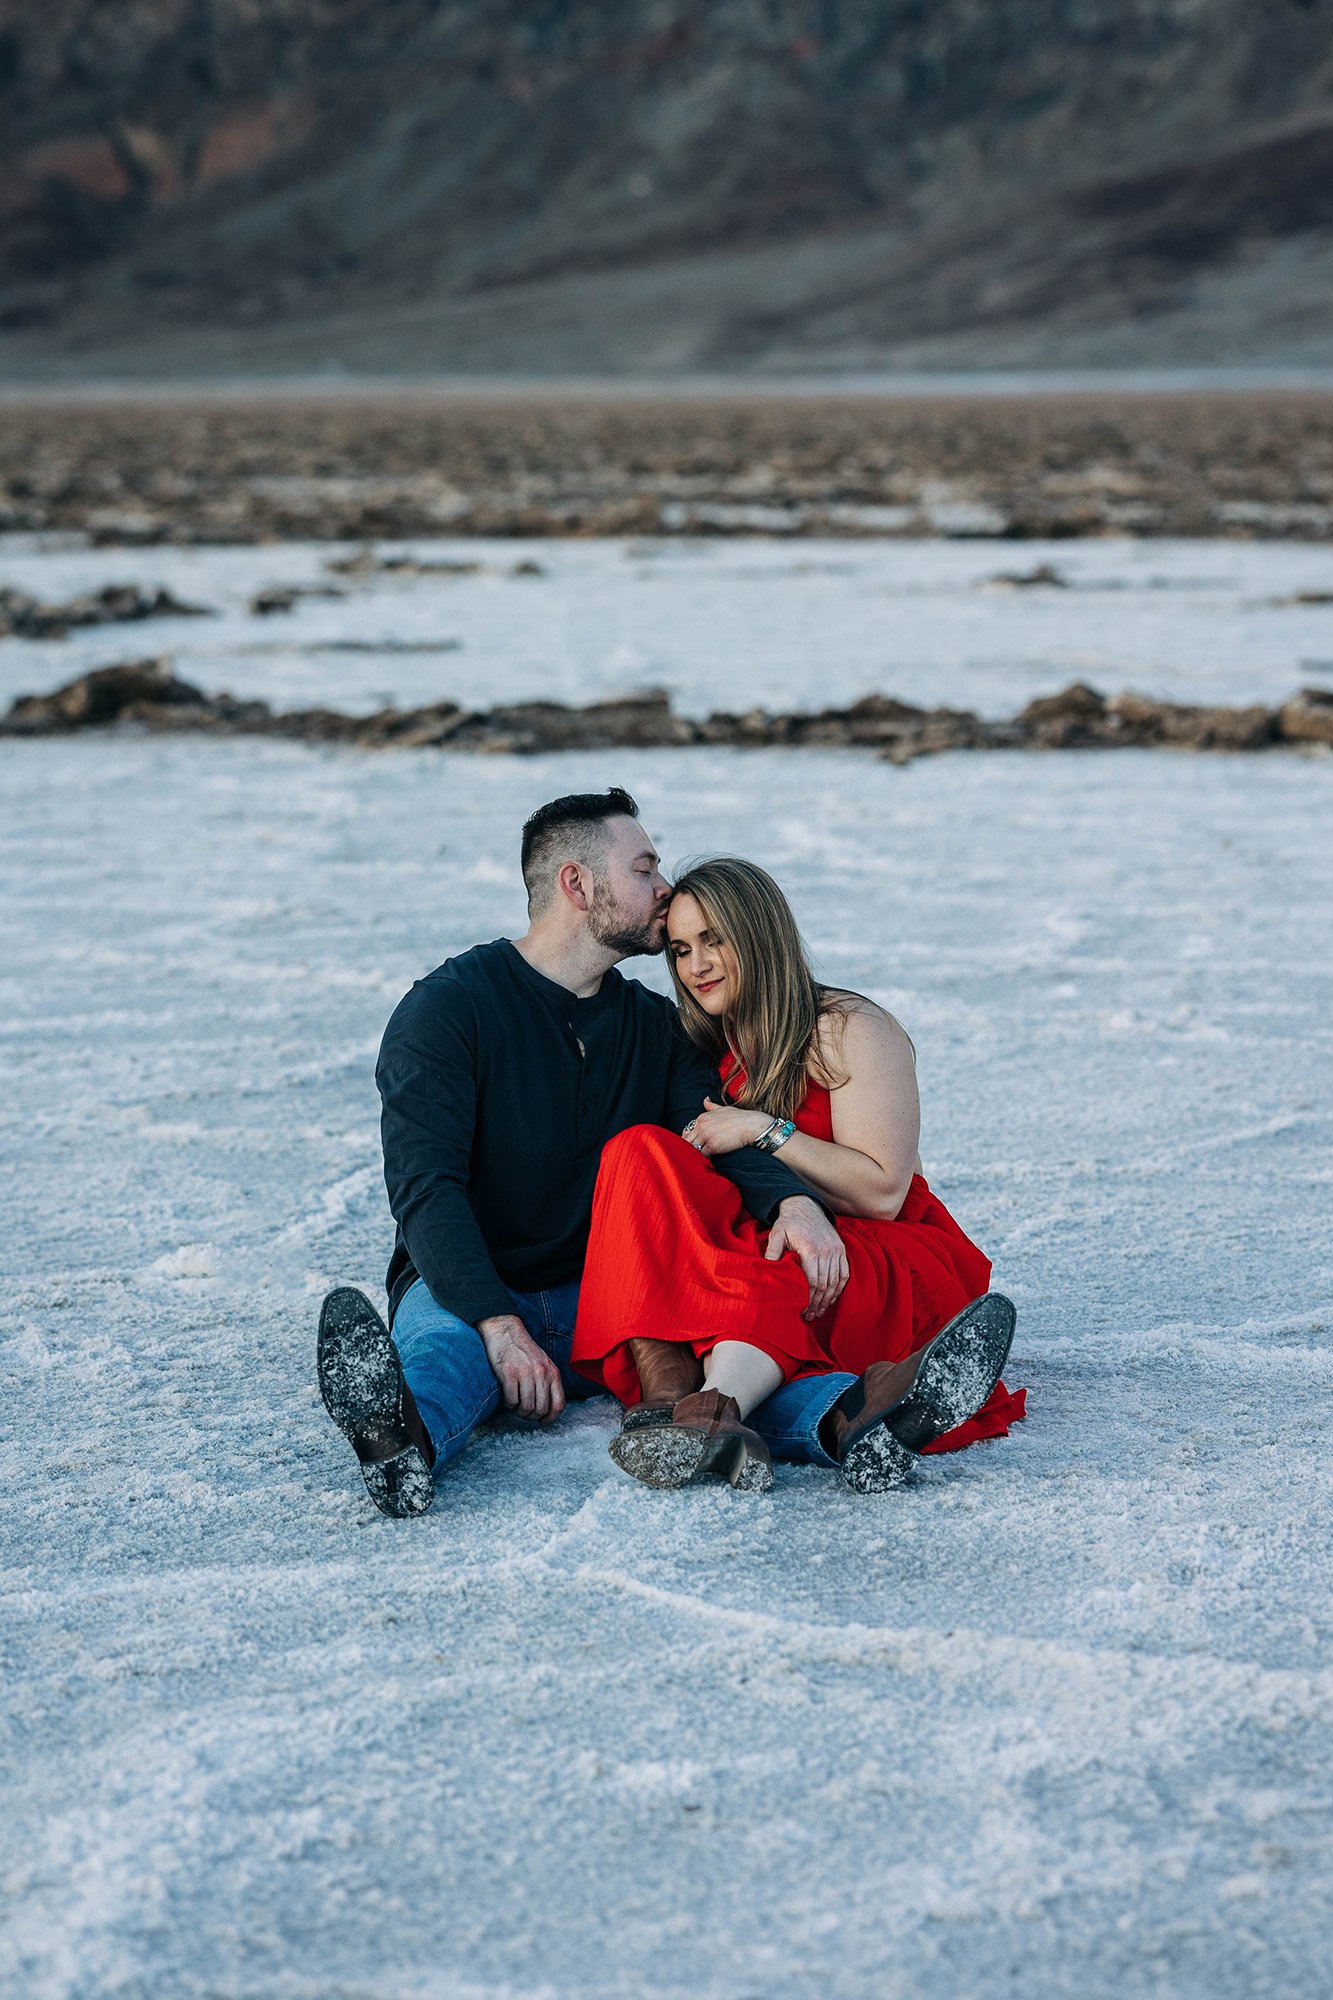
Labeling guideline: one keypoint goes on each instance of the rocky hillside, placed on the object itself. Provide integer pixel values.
(557, 187)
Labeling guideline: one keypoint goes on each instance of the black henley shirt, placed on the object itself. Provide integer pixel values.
(499, 1090)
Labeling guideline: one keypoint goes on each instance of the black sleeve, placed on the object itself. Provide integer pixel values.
(762, 1178)
(427, 1077)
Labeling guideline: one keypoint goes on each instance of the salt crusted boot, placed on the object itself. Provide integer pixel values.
(704, 1440)
(364, 1390)
(877, 1428)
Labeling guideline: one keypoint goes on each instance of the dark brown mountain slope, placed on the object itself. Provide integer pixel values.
(554, 187)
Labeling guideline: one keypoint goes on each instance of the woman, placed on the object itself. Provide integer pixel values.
(689, 1311)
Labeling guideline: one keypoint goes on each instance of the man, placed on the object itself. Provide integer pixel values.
(502, 1075)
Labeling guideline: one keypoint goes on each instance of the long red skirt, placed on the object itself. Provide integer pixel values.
(674, 1254)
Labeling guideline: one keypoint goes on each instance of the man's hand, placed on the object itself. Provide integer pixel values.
(803, 1228)
(529, 1378)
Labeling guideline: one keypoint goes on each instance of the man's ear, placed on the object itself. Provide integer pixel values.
(570, 882)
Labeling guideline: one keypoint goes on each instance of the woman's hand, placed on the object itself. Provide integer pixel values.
(725, 1128)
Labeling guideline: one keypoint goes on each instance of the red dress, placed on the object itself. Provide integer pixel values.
(674, 1254)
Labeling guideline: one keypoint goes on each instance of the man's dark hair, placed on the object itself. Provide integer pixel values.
(568, 829)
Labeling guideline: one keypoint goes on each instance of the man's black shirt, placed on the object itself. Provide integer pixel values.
(499, 1090)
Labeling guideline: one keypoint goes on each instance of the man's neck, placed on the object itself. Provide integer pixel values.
(578, 962)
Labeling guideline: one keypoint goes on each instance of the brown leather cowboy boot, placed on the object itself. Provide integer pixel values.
(705, 1439)
(856, 1432)
(876, 1428)
(668, 1370)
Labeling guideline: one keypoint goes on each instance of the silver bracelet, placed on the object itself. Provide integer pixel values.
(776, 1135)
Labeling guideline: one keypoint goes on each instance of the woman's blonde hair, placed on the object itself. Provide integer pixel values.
(774, 1027)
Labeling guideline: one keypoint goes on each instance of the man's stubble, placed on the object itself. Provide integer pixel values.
(609, 925)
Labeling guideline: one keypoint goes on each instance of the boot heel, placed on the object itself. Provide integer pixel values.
(742, 1461)
(877, 1462)
(400, 1486)
(752, 1472)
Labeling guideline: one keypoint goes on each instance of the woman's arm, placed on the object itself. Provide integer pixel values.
(867, 1167)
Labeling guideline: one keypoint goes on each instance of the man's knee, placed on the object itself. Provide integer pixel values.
(423, 1327)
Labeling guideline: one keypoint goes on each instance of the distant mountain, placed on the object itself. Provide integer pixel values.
(650, 185)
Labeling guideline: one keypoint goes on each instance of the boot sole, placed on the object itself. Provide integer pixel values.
(641, 1418)
(661, 1455)
(361, 1382)
(958, 1372)
(875, 1462)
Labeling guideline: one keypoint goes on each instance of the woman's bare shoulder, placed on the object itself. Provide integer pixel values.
(855, 1030)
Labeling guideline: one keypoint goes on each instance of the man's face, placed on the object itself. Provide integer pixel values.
(630, 893)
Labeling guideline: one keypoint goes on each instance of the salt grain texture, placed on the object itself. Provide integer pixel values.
(1055, 1718)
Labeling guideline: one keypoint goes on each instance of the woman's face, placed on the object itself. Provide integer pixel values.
(704, 965)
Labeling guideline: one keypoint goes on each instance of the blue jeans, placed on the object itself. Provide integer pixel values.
(788, 1421)
(451, 1380)
(446, 1367)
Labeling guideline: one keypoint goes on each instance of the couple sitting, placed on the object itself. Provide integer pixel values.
(715, 1210)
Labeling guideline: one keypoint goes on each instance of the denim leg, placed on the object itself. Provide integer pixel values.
(788, 1421)
(446, 1368)
(549, 1317)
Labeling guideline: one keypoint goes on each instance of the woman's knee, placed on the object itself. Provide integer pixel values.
(640, 1142)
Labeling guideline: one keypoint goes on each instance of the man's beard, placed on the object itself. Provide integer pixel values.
(607, 923)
